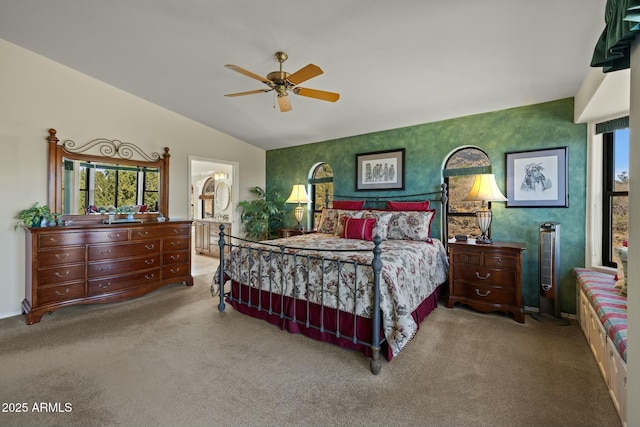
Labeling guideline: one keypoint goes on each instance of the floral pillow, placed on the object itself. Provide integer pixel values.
(382, 222)
(331, 220)
(411, 225)
(622, 255)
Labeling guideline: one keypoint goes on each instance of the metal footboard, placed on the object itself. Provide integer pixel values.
(279, 253)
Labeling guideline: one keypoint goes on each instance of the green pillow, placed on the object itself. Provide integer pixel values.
(622, 254)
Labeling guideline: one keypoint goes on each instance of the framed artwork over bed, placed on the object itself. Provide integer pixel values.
(538, 178)
(380, 170)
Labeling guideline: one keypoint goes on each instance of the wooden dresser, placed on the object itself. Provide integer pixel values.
(487, 277)
(98, 263)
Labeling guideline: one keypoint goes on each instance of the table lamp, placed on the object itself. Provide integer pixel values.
(298, 195)
(484, 189)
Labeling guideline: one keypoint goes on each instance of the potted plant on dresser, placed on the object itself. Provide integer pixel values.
(34, 216)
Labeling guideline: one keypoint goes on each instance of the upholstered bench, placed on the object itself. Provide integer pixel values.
(602, 312)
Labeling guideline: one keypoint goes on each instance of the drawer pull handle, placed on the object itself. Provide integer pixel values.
(149, 276)
(466, 258)
(177, 270)
(64, 255)
(175, 230)
(66, 291)
(114, 236)
(486, 294)
(499, 260)
(485, 277)
(175, 257)
(104, 285)
(53, 239)
(149, 261)
(57, 274)
(107, 268)
(149, 247)
(108, 251)
(145, 233)
(173, 243)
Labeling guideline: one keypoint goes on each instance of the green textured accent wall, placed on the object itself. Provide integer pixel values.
(546, 125)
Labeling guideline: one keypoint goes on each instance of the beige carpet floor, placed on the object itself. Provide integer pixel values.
(170, 359)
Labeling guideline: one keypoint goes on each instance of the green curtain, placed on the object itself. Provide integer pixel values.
(622, 24)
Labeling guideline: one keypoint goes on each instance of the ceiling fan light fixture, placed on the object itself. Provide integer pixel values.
(284, 103)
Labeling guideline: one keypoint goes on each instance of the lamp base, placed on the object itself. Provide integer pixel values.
(484, 241)
(298, 227)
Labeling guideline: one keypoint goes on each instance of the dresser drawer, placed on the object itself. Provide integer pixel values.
(123, 250)
(486, 276)
(484, 293)
(61, 256)
(59, 293)
(175, 244)
(100, 286)
(60, 239)
(112, 235)
(114, 268)
(174, 270)
(155, 232)
(175, 257)
(60, 274)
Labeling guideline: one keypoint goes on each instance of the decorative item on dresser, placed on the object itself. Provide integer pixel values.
(484, 189)
(298, 195)
(487, 277)
(98, 260)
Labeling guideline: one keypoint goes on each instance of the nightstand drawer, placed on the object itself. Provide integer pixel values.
(467, 258)
(498, 261)
(485, 293)
(485, 276)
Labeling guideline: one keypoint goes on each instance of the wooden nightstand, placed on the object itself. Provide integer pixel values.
(487, 277)
(288, 232)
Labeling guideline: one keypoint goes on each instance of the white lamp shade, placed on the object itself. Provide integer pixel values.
(298, 195)
(485, 189)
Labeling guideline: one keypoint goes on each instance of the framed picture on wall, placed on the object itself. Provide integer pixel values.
(538, 178)
(380, 170)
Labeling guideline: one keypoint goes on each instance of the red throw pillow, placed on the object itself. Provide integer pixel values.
(407, 206)
(358, 228)
(348, 204)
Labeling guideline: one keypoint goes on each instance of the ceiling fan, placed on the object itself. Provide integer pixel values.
(281, 82)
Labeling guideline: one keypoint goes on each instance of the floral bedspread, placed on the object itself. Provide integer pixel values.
(411, 271)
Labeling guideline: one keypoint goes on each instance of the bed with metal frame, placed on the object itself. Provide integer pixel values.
(368, 296)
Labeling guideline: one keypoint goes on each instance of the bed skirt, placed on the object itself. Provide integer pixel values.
(322, 324)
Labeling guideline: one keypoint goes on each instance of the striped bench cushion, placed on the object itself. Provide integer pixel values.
(610, 307)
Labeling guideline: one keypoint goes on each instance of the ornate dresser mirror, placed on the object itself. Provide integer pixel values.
(104, 176)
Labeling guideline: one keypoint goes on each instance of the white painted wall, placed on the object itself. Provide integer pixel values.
(37, 94)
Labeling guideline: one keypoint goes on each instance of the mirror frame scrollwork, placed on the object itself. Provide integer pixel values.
(111, 151)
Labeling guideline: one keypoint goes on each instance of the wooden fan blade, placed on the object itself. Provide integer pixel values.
(317, 94)
(284, 103)
(304, 74)
(251, 92)
(247, 73)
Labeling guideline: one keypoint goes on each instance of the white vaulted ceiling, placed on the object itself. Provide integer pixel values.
(395, 63)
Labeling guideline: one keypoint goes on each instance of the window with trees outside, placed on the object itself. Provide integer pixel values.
(117, 186)
(321, 190)
(459, 174)
(615, 203)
